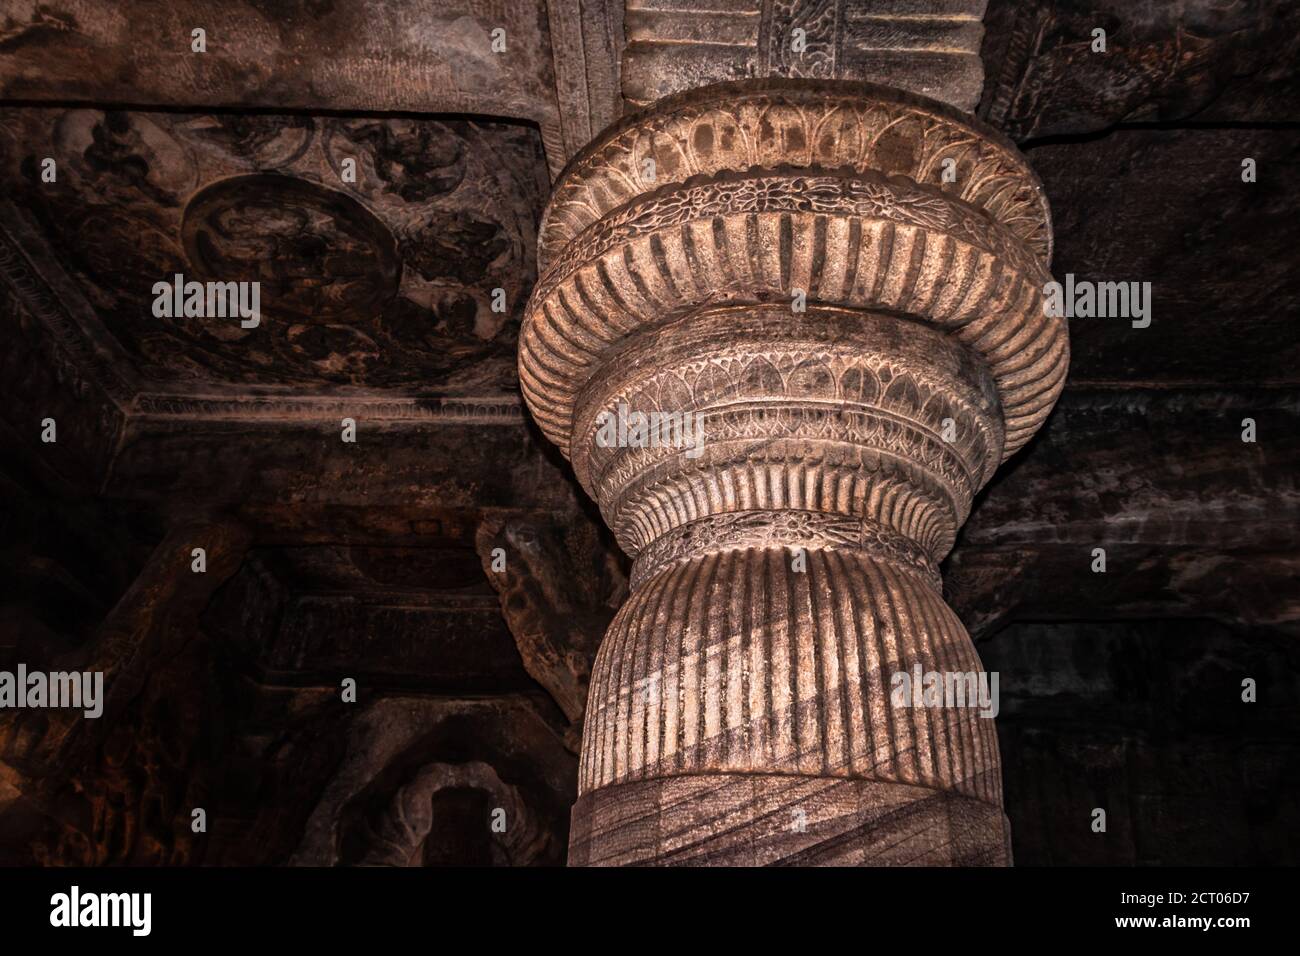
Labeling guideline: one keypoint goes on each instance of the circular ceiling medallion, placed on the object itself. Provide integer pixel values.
(319, 255)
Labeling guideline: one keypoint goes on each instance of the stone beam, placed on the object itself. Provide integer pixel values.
(285, 458)
(930, 47)
(1194, 521)
(553, 62)
(429, 56)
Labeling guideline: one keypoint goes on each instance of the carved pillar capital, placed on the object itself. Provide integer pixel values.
(785, 332)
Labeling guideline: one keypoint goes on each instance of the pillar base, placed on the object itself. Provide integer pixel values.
(784, 820)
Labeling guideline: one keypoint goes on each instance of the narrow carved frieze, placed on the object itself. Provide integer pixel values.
(931, 47)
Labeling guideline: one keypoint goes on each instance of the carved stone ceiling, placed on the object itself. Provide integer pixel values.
(383, 279)
(378, 302)
(386, 283)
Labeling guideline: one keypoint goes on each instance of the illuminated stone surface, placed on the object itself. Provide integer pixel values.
(782, 264)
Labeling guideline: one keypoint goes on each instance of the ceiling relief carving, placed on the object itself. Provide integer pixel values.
(320, 256)
(377, 243)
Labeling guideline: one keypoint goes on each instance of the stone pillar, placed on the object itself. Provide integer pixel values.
(841, 286)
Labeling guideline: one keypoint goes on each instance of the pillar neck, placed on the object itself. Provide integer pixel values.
(758, 409)
(785, 333)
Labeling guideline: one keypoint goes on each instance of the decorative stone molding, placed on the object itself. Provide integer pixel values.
(807, 124)
(489, 410)
(930, 47)
(586, 37)
(858, 342)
